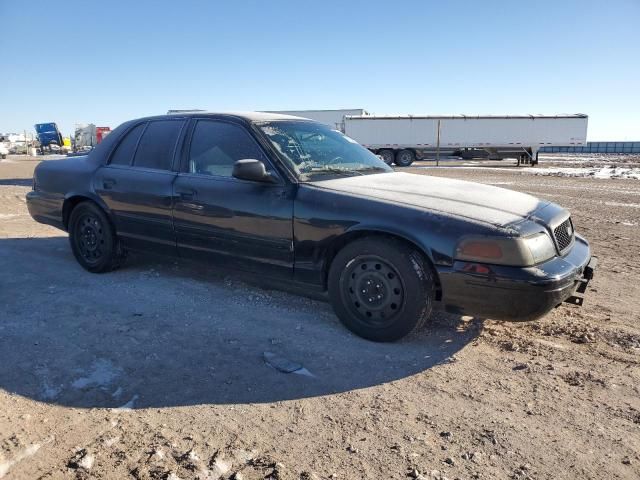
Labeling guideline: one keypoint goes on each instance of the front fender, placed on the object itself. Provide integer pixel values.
(420, 242)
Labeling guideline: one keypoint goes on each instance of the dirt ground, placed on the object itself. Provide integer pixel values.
(157, 371)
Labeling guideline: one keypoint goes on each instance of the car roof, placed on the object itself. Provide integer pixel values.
(249, 116)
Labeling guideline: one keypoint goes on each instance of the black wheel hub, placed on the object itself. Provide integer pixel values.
(374, 290)
(90, 238)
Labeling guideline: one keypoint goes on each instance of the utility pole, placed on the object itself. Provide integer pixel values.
(438, 146)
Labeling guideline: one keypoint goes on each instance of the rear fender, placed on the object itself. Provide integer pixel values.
(71, 199)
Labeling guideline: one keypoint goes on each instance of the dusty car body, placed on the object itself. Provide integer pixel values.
(292, 200)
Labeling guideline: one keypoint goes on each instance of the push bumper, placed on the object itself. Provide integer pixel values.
(512, 293)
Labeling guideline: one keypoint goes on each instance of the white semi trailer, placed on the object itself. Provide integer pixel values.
(404, 138)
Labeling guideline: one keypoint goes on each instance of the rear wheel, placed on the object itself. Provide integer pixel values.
(387, 156)
(381, 288)
(404, 158)
(93, 239)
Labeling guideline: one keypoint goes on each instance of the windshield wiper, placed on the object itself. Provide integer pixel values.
(327, 169)
(371, 169)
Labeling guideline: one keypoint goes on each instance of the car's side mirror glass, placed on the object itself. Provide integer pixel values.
(252, 170)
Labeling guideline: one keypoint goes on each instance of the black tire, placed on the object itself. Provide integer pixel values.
(381, 288)
(404, 158)
(93, 240)
(387, 156)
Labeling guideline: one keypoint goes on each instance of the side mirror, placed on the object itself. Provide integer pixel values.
(252, 170)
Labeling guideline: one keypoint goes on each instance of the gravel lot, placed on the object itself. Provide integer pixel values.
(157, 371)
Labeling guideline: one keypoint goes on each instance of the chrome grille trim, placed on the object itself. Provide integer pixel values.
(564, 235)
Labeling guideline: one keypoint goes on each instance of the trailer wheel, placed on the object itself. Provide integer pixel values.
(404, 158)
(387, 156)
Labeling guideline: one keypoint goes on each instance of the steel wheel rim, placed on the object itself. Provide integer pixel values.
(90, 238)
(373, 290)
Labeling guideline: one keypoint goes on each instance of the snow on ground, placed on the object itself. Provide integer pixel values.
(605, 172)
(598, 166)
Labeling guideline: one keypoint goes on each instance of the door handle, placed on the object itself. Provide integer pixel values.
(186, 194)
(108, 183)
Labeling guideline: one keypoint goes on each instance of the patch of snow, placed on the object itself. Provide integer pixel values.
(619, 204)
(129, 405)
(604, 172)
(102, 374)
(27, 452)
(87, 461)
(109, 442)
(221, 467)
(50, 392)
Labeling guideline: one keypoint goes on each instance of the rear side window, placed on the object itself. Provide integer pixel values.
(216, 146)
(125, 150)
(158, 144)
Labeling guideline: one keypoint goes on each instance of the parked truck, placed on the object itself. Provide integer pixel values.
(102, 132)
(405, 138)
(49, 137)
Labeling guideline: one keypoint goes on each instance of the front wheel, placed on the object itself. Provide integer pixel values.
(381, 288)
(93, 239)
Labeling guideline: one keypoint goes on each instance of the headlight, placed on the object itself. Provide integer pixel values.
(541, 247)
(517, 252)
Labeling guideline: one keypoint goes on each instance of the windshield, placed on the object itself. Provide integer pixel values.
(313, 150)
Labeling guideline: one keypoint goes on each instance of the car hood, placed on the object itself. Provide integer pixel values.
(475, 201)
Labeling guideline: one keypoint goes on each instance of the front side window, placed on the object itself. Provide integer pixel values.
(158, 144)
(126, 148)
(312, 150)
(216, 146)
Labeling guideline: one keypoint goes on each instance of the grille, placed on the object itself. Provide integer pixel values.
(564, 234)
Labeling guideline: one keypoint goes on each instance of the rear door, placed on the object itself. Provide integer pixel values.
(239, 223)
(136, 184)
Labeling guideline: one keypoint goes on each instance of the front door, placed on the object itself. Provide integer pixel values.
(237, 223)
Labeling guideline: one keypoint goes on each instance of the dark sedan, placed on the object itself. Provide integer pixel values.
(294, 200)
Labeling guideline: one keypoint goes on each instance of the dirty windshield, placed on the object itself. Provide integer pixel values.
(314, 150)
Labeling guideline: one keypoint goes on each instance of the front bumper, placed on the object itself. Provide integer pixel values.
(513, 293)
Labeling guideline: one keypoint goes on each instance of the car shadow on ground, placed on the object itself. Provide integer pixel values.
(161, 333)
(18, 182)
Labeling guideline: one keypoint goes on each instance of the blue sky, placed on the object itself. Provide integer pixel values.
(109, 61)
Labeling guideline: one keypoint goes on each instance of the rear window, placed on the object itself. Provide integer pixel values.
(158, 144)
(124, 152)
